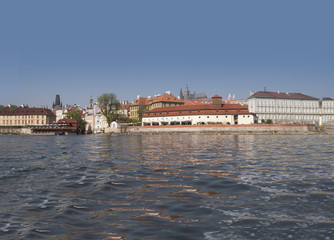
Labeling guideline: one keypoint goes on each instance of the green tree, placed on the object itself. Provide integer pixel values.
(76, 115)
(141, 111)
(109, 106)
(13, 107)
(2, 106)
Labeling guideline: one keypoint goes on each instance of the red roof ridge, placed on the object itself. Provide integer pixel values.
(282, 95)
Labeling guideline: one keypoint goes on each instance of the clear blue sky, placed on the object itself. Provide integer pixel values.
(81, 48)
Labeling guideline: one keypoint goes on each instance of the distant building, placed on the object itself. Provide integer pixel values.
(145, 104)
(57, 105)
(91, 102)
(237, 101)
(96, 122)
(124, 111)
(201, 114)
(64, 126)
(25, 116)
(187, 95)
(284, 107)
(327, 110)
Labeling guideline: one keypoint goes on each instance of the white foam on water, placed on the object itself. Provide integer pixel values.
(5, 228)
(119, 184)
(79, 207)
(42, 205)
(41, 230)
(209, 235)
(81, 180)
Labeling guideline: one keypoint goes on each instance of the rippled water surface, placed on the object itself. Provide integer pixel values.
(167, 187)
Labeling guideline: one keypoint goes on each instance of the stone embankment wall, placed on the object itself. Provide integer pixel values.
(223, 129)
(216, 129)
(329, 128)
(14, 130)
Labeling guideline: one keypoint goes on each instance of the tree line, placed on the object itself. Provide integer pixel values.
(11, 107)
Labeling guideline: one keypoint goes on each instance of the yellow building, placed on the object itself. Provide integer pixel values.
(146, 104)
(25, 116)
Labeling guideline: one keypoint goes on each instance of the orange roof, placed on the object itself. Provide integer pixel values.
(202, 109)
(286, 95)
(67, 121)
(26, 111)
(166, 97)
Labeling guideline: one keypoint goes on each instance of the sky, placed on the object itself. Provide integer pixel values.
(80, 48)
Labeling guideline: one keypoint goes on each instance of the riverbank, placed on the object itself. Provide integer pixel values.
(286, 129)
(220, 129)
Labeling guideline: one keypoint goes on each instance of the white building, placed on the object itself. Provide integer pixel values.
(202, 114)
(60, 114)
(327, 110)
(284, 107)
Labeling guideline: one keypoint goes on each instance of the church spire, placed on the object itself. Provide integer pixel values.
(181, 95)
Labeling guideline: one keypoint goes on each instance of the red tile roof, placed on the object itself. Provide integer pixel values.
(26, 111)
(286, 95)
(328, 99)
(67, 121)
(203, 109)
(166, 97)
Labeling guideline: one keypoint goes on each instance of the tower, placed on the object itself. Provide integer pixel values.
(217, 101)
(91, 102)
(186, 93)
(181, 95)
(57, 105)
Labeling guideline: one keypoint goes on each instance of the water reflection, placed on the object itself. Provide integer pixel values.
(166, 187)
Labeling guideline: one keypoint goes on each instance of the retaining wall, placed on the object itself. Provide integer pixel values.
(223, 129)
(14, 130)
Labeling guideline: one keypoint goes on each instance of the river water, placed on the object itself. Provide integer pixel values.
(167, 187)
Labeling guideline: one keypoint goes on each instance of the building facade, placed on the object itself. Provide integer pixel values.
(142, 105)
(25, 116)
(203, 114)
(284, 107)
(327, 110)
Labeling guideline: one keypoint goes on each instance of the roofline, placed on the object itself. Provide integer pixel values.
(310, 98)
